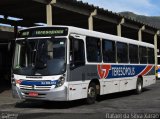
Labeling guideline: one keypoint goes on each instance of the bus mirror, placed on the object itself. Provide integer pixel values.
(72, 66)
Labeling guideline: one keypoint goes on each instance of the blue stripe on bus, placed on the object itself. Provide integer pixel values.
(39, 83)
(120, 71)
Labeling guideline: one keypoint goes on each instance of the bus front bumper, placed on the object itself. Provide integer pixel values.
(59, 94)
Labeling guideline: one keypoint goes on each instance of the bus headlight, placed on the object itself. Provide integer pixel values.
(14, 82)
(60, 81)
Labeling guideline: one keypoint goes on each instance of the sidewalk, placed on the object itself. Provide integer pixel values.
(6, 94)
(6, 97)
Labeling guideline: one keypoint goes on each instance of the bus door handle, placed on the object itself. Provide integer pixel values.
(116, 84)
(72, 89)
(126, 83)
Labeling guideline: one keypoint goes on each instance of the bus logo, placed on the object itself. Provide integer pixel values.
(103, 70)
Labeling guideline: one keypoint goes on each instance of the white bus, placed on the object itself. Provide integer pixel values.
(158, 68)
(64, 63)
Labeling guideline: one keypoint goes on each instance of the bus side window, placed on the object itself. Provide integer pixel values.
(151, 56)
(143, 55)
(122, 52)
(133, 54)
(77, 56)
(93, 46)
(109, 51)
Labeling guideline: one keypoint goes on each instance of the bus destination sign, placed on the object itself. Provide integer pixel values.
(43, 32)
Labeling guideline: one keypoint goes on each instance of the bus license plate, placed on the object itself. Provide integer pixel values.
(33, 94)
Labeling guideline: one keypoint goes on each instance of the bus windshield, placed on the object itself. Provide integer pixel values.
(40, 56)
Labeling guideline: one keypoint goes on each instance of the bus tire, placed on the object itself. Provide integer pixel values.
(139, 86)
(91, 93)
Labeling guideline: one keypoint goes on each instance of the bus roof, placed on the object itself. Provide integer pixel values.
(86, 32)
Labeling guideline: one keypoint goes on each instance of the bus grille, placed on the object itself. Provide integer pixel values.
(36, 88)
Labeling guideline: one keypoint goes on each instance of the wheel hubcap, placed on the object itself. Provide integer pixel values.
(139, 87)
(91, 92)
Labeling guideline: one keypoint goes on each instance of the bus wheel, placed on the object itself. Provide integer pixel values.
(91, 94)
(139, 86)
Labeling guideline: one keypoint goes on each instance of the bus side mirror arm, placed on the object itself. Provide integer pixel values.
(72, 66)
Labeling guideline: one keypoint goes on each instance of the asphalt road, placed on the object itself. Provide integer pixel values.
(121, 105)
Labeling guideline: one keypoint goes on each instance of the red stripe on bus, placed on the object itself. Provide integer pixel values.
(148, 68)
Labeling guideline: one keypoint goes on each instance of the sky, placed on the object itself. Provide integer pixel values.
(140, 7)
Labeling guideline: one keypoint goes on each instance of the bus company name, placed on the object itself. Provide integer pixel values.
(123, 71)
(109, 71)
